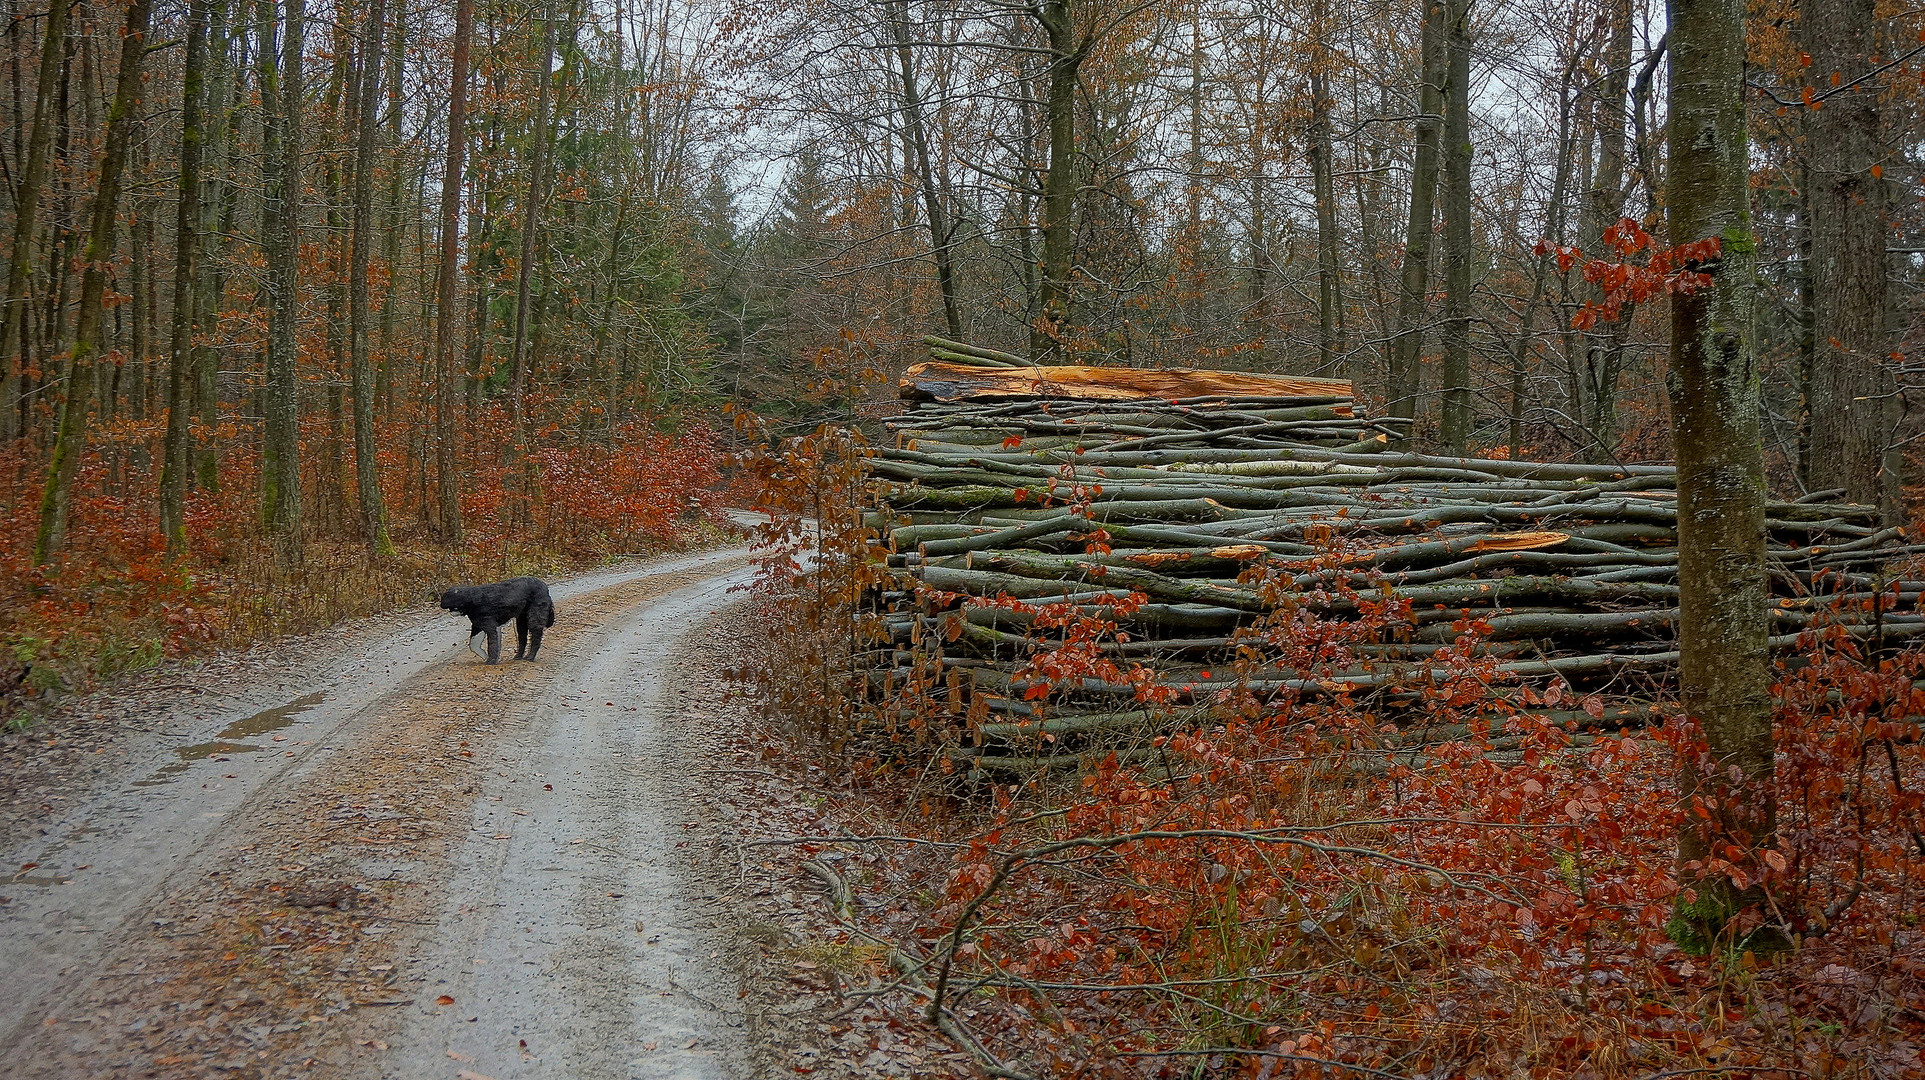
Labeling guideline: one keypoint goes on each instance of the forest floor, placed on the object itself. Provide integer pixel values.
(365, 853)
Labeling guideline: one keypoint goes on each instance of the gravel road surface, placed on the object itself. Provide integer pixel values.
(391, 861)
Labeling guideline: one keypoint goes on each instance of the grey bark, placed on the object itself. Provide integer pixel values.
(1406, 346)
(187, 250)
(941, 230)
(70, 439)
(367, 97)
(1724, 679)
(1066, 54)
(13, 320)
(530, 229)
(1330, 316)
(281, 431)
(1854, 401)
(1454, 429)
(447, 286)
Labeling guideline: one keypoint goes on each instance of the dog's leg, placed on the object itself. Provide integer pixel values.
(521, 634)
(494, 644)
(534, 640)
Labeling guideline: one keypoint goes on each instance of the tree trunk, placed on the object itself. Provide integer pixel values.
(1458, 266)
(187, 250)
(1406, 347)
(1330, 336)
(367, 99)
(26, 202)
(530, 229)
(217, 134)
(447, 284)
(1059, 186)
(1604, 348)
(1855, 405)
(1724, 678)
(71, 438)
(1540, 276)
(281, 441)
(940, 229)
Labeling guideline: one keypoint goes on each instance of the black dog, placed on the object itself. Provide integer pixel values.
(523, 599)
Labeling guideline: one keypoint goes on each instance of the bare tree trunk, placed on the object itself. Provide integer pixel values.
(393, 227)
(366, 95)
(13, 321)
(281, 443)
(1854, 406)
(1455, 425)
(941, 232)
(1540, 275)
(71, 438)
(447, 285)
(1330, 316)
(1604, 348)
(1406, 347)
(530, 229)
(187, 251)
(1059, 187)
(217, 134)
(1724, 677)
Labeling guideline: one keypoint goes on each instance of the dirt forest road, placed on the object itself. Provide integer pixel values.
(395, 861)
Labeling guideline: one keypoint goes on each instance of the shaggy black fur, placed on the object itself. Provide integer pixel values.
(523, 599)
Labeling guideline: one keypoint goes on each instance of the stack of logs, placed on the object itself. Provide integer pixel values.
(1005, 473)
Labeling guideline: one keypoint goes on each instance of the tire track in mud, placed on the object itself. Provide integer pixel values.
(278, 943)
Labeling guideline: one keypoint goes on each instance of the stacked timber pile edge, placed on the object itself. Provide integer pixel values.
(1201, 482)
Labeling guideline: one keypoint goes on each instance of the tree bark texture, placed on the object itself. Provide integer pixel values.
(1854, 401)
(918, 140)
(180, 362)
(1724, 678)
(1059, 186)
(1604, 347)
(367, 97)
(97, 259)
(447, 285)
(530, 230)
(1330, 336)
(1406, 346)
(13, 322)
(281, 434)
(1459, 268)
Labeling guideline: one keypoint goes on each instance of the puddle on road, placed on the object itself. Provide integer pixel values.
(272, 720)
(261, 723)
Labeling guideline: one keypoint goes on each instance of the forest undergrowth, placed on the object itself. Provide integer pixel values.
(1266, 890)
(116, 602)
